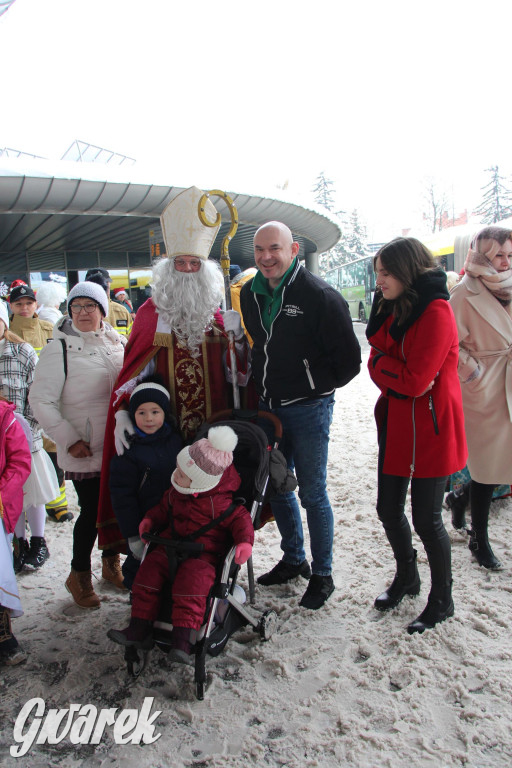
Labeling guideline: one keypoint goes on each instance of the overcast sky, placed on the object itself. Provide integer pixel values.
(248, 96)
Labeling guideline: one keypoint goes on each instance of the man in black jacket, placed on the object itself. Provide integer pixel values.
(304, 348)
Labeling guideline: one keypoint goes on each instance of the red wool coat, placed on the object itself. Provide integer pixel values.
(425, 432)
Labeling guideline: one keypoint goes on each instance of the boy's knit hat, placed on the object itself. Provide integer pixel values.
(88, 290)
(149, 392)
(206, 460)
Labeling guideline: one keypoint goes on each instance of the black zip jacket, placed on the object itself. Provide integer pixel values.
(141, 475)
(311, 348)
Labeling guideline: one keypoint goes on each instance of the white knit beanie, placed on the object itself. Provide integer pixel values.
(88, 290)
(206, 460)
(4, 313)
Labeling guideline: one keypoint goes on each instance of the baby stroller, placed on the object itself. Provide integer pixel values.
(263, 472)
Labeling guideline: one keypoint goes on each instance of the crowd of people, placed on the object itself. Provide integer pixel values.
(111, 400)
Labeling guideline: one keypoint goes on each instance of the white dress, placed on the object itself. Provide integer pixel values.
(9, 595)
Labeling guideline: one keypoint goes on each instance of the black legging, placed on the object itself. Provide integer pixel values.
(85, 531)
(426, 500)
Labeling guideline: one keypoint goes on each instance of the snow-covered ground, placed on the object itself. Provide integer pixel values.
(343, 686)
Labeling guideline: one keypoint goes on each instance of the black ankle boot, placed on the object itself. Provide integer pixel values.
(20, 552)
(457, 502)
(439, 607)
(406, 582)
(38, 552)
(482, 552)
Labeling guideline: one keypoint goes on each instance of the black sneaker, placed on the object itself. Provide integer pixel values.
(320, 588)
(283, 572)
(38, 553)
(19, 555)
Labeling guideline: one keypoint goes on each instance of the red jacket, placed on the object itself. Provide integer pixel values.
(190, 512)
(425, 432)
(15, 465)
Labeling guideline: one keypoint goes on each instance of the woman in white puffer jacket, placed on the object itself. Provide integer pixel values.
(70, 394)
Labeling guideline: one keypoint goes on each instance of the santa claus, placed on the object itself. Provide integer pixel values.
(180, 334)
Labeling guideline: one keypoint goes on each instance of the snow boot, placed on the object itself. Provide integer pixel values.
(406, 582)
(439, 607)
(138, 634)
(79, 584)
(481, 496)
(482, 552)
(111, 571)
(457, 502)
(38, 552)
(180, 645)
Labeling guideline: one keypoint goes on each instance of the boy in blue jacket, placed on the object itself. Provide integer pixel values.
(140, 477)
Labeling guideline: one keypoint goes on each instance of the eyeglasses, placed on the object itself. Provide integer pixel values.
(182, 264)
(77, 308)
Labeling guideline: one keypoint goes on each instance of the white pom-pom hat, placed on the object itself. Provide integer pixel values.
(206, 460)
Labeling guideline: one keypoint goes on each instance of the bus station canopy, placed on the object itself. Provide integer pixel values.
(55, 207)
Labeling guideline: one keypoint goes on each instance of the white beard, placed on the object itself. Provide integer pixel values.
(187, 301)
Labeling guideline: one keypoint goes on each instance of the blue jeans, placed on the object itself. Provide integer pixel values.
(305, 445)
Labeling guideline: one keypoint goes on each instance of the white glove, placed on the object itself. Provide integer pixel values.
(233, 322)
(124, 428)
(136, 547)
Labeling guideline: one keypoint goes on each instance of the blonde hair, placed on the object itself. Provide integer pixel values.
(452, 278)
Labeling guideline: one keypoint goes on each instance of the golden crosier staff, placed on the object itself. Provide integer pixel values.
(224, 263)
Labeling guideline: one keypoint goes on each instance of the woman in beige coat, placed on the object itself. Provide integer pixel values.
(481, 303)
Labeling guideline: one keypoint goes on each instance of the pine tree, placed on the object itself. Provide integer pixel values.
(323, 191)
(356, 240)
(324, 195)
(497, 199)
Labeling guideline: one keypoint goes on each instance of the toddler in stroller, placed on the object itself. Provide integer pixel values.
(199, 513)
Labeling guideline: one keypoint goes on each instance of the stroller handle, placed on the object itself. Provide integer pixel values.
(246, 414)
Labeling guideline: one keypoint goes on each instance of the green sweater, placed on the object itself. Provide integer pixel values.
(271, 303)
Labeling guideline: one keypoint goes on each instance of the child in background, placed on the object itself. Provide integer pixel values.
(142, 474)
(15, 462)
(203, 485)
(17, 365)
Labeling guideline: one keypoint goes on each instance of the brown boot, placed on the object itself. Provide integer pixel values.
(79, 584)
(111, 571)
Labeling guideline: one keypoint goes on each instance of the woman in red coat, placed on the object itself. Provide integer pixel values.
(413, 361)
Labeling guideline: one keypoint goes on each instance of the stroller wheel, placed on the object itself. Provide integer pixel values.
(267, 625)
(135, 663)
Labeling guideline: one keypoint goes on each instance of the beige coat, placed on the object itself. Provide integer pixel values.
(485, 373)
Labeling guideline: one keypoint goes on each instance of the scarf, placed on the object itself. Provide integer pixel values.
(479, 265)
(429, 286)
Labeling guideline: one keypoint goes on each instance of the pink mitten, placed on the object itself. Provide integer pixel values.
(243, 552)
(145, 526)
